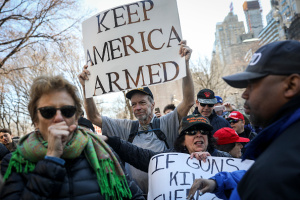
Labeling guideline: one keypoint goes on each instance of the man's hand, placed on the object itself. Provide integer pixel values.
(157, 114)
(204, 185)
(58, 136)
(84, 75)
(228, 107)
(103, 137)
(185, 50)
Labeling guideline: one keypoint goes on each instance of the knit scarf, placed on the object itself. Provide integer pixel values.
(110, 176)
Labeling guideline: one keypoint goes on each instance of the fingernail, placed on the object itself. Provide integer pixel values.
(201, 193)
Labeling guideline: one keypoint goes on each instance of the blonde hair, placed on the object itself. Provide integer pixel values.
(47, 84)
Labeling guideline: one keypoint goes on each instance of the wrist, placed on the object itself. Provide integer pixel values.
(53, 154)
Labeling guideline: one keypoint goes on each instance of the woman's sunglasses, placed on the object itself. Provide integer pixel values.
(49, 112)
(195, 131)
(234, 121)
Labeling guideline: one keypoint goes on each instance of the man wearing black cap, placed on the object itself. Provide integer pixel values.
(142, 102)
(205, 103)
(272, 94)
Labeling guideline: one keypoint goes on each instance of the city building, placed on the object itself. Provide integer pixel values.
(271, 32)
(253, 16)
(283, 22)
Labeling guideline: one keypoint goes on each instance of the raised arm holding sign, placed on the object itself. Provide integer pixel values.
(128, 48)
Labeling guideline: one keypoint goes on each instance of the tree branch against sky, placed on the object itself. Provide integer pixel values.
(25, 23)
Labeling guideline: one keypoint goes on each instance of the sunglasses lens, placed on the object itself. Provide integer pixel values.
(47, 112)
(194, 132)
(209, 105)
(204, 132)
(191, 132)
(68, 111)
(233, 121)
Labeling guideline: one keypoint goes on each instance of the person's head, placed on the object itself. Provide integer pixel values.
(229, 141)
(236, 121)
(271, 79)
(169, 108)
(205, 102)
(195, 134)
(219, 101)
(142, 103)
(5, 136)
(53, 100)
(219, 108)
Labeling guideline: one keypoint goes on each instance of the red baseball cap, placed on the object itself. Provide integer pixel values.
(236, 115)
(228, 135)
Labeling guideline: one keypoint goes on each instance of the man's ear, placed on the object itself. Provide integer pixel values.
(292, 86)
(153, 105)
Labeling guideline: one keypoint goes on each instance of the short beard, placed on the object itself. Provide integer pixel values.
(256, 121)
(144, 119)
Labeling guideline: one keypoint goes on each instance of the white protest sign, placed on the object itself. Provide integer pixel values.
(171, 175)
(133, 46)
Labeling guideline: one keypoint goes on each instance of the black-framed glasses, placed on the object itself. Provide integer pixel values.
(209, 105)
(234, 121)
(49, 111)
(195, 131)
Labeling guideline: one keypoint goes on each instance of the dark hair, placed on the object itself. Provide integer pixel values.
(5, 130)
(169, 107)
(226, 147)
(178, 144)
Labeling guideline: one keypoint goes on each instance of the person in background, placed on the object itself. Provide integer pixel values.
(205, 103)
(229, 141)
(7, 140)
(169, 108)
(237, 122)
(195, 138)
(3, 152)
(146, 132)
(220, 108)
(272, 98)
(61, 160)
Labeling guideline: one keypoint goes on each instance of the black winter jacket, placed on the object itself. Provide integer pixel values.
(75, 180)
(276, 171)
(139, 157)
(216, 121)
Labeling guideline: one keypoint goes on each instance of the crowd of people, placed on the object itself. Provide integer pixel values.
(63, 157)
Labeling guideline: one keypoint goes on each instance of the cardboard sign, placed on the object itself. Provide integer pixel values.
(132, 46)
(171, 175)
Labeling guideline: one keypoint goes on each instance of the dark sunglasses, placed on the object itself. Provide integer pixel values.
(209, 105)
(49, 111)
(233, 121)
(195, 131)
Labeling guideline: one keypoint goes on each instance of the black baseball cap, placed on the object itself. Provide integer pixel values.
(144, 90)
(206, 96)
(195, 120)
(277, 58)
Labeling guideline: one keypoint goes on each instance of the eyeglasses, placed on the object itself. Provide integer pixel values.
(49, 111)
(195, 131)
(209, 105)
(234, 121)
